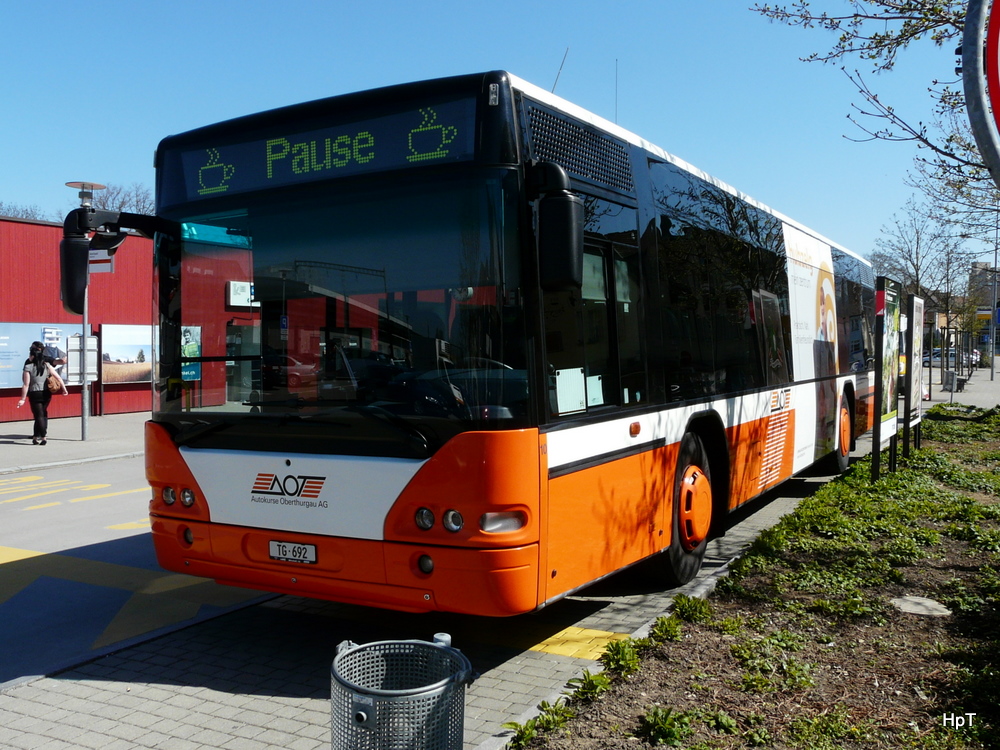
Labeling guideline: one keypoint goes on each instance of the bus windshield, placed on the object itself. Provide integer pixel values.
(393, 307)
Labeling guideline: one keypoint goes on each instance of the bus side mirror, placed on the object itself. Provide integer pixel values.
(77, 242)
(560, 241)
(74, 265)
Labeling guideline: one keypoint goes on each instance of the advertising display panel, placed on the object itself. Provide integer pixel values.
(915, 377)
(126, 354)
(915, 382)
(15, 342)
(887, 338)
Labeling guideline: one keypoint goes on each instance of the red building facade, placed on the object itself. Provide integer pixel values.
(29, 294)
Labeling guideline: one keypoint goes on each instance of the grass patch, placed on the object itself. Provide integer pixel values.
(800, 647)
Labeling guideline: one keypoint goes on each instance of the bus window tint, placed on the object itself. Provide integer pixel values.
(593, 337)
(714, 251)
(855, 312)
(392, 298)
(631, 354)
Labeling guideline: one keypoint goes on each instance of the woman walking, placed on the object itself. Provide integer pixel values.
(37, 370)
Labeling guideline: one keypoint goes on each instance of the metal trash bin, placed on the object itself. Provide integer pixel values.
(399, 695)
(949, 380)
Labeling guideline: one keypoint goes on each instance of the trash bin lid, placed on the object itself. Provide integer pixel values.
(416, 666)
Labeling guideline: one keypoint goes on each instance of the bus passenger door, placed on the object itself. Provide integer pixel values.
(601, 514)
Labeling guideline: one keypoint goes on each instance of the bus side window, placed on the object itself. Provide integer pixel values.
(631, 357)
(578, 342)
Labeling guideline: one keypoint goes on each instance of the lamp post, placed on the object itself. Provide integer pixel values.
(86, 196)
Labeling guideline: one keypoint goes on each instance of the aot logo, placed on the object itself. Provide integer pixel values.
(289, 486)
(781, 400)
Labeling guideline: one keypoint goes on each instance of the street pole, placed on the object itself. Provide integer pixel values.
(85, 387)
(86, 196)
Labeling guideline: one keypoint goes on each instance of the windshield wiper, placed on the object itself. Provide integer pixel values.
(416, 438)
(188, 434)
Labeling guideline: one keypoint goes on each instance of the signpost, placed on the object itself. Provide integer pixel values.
(86, 197)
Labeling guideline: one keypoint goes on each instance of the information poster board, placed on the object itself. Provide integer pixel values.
(887, 343)
(915, 382)
(15, 344)
(126, 354)
(915, 379)
(190, 351)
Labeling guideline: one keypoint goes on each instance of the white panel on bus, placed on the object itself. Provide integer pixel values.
(812, 301)
(316, 494)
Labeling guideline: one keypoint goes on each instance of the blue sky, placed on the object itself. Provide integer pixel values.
(91, 88)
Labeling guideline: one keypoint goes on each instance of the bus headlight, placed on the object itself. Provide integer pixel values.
(424, 518)
(187, 497)
(452, 520)
(169, 496)
(498, 523)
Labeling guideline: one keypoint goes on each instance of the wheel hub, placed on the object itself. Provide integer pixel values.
(695, 507)
(845, 431)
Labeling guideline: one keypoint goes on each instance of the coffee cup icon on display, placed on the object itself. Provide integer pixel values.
(429, 141)
(214, 177)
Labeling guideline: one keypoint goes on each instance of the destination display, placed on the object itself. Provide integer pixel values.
(439, 132)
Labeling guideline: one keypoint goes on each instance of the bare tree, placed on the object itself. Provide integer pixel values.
(15, 211)
(948, 168)
(930, 260)
(876, 32)
(909, 250)
(960, 193)
(927, 258)
(136, 198)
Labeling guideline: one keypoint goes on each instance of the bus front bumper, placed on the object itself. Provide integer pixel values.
(488, 582)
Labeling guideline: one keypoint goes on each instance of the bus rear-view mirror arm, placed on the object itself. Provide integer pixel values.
(82, 232)
(560, 227)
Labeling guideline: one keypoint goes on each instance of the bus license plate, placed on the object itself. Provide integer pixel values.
(292, 552)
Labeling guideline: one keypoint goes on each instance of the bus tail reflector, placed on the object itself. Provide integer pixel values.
(498, 523)
(175, 490)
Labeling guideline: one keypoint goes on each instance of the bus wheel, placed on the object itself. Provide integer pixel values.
(692, 512)
(840, 459)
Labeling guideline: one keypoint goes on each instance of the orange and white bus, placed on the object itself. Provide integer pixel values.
(460, 345)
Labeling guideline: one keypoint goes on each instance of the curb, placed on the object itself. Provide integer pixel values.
(70, 462)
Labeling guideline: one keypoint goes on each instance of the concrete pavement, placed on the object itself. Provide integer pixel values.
(112, 436)
(979, 390)
(259, 678)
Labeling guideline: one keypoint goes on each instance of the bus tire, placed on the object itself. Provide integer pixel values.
(838, 461)
(691, 513)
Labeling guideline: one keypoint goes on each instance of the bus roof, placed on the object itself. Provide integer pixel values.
(557, 102)
(316, 107)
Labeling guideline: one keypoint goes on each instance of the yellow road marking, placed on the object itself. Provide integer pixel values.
(53, 483)
(18, 480)
(579, 642)
(52, 492)
(12, 554)
(109, 494)
(130, 525)
(46, 505)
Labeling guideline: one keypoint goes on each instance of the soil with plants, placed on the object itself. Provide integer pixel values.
(800, 646)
